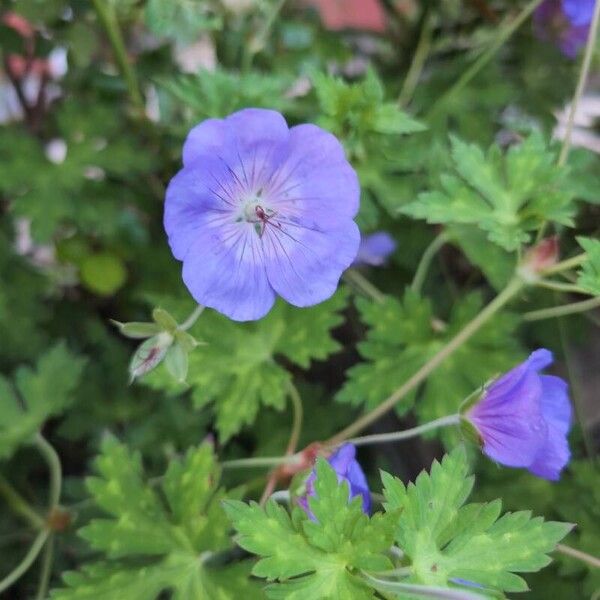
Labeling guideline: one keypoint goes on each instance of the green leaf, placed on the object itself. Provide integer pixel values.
(354, 112)
(36, 396)
(315, 559)
(404, 335)
(237, 368)
(507, 196)
(178, 536)
(180, 19)
(445, 539)
(589, 276)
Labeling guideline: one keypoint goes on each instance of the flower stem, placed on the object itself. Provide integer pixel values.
(298, 415)
(189, 322)
(503, 35)
(590, 560)
(19, 505)
(426, 260)
(583, 75)
(51, 458)
(559, 286)
(108, 18)
(398, 436)
(505, 296)
(364, 285)
(46, 571)
(29, 559)
(418, 62)
(563, 310)
(258, 461)
(565, 265)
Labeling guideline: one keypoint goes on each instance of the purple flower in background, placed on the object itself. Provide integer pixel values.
(347, 469)
(259, 210)
(375, 249)
(567, 22)
(523, 418)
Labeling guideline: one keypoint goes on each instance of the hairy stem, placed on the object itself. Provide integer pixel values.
(298, 415)
(504, 33)
(398, 436)
(27, 561)
(562, 310)
(364, 285)
(511, 290)
(258, 461)
(565, 265)
(418, 62)
(583, 76)
(53, 461)
(559, 286)
(579, 555)
(19, 505)
(426, 260)
(108, 18)
(46, 572)
(191, 320)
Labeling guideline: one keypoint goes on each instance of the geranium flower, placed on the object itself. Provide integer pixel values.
(347, 468)
(375, 249)
(567, 22)
(523, 418)
(260, 210)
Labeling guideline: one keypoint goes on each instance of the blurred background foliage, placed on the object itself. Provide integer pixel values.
(88, 141)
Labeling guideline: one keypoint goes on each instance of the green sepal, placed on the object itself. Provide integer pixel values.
(164, 320)
(176, 361)
(136, 330)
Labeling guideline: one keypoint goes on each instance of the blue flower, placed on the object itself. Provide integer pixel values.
(375, 249)
(261, 210)
(347, 469)
(566, 22)
(523, 418)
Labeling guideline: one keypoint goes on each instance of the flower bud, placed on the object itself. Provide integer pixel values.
(539, 258)
(149, 355)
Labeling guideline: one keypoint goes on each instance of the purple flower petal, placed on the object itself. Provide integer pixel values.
(221, 271)
(554, 454)
(566, 22)
(523, 418)
(258, 210)
(347, 468)
(579, 12)
(375, 249)
(304, 265)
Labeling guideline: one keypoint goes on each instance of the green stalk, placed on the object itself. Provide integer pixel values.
(51, 458)
(108, 18)
(505, 296)
(559, 286)
(398, 436)
(503, 35)
(29, 559)
(189, 322)
(259, 461)
(583, 76)
(426, 260)
(418, 62)
(364, 285)
(19, 505)
(588, 559)
(563, 310)
(46, 572)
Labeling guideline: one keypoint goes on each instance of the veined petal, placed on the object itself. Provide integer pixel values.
(304, 265)
(556, 407)
(224, 270)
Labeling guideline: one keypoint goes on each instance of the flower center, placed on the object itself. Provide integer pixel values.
(256, 211)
